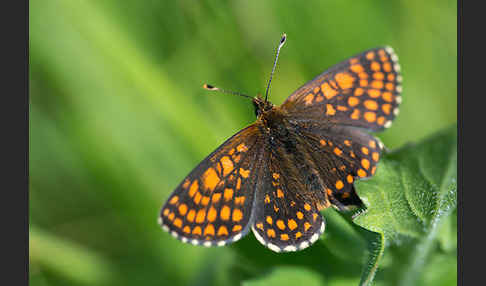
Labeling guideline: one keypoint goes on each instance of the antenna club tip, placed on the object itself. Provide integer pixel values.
(209, 87)
(283, 39)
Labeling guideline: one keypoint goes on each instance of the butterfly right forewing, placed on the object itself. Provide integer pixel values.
(362, 91)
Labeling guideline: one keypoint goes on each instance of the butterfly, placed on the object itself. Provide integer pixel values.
(276, 175)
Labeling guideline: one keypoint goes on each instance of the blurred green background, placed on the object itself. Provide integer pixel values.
(118, 118)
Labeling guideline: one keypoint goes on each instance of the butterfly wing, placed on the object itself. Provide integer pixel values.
(310, 169)
(213, 204)
(342, 154)
(287, 214)
(362, 91)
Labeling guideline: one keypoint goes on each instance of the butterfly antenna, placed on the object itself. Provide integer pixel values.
(280, 45)
(213, 88)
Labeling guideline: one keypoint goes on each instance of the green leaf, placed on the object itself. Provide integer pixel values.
(287, 275)
(413, 191)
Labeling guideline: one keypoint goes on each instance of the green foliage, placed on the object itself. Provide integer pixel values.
(118, 118)
(409, 200)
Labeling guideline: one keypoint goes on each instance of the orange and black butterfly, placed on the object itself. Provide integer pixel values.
(276, 175)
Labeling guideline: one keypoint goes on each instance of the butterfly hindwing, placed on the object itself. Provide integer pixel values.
(213, 204)
(287, 204)
(344, 154)
(363, 91)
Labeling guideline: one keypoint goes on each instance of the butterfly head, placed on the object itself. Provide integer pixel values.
(262, 107)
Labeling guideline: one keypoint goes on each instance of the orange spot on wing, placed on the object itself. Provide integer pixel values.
(386, 108)
(356, 68)
(201, 214)
(365, 163)
(242, 148)
(390, 86)
(330, 110)
(353, 101)
(205, 201)
(361, 173)
(269, 220)
(375, 66)
(284, 237)
(292, 224)
(280, 224)
(197, 198)
(370, 116)
(240, 200)
(171, 216)
(275, 176)
(339, 184)
(187, 229)
(308, 99)
(225, 213)
(238, 183)
(197, 230)
(338, 151)
(178, 223)
(174, 200)
(191, 215)
(237, 215)
(379, 75)
(375, 156)
(166, 212)
(222, 231)
(355, 114)
(307, 225)
(390, 77)
(186, 184)
(341, 108)
(236, 228)
(378, 84)
(307, 207)
(372, 144)
(209, 230)
(387, 67)
(183, 209)
(370, 55)
(212, 214)
(228, 194)
(359, 91)
(387, 96)
(259, 225)
(365, 150)
(244, 173)
(374, 93)
(300, 215)
(345, 80)
(363, 75)
(227, 165)
(363, 82)
(298, 234)
(211, 179)
(350, 179)
(193, 189)
(271, 233)
(381, 120)
(267, 199)
(328, 91)
(280, 194)
(323, 142)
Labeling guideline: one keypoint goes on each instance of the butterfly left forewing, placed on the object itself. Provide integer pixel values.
(213, 204)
